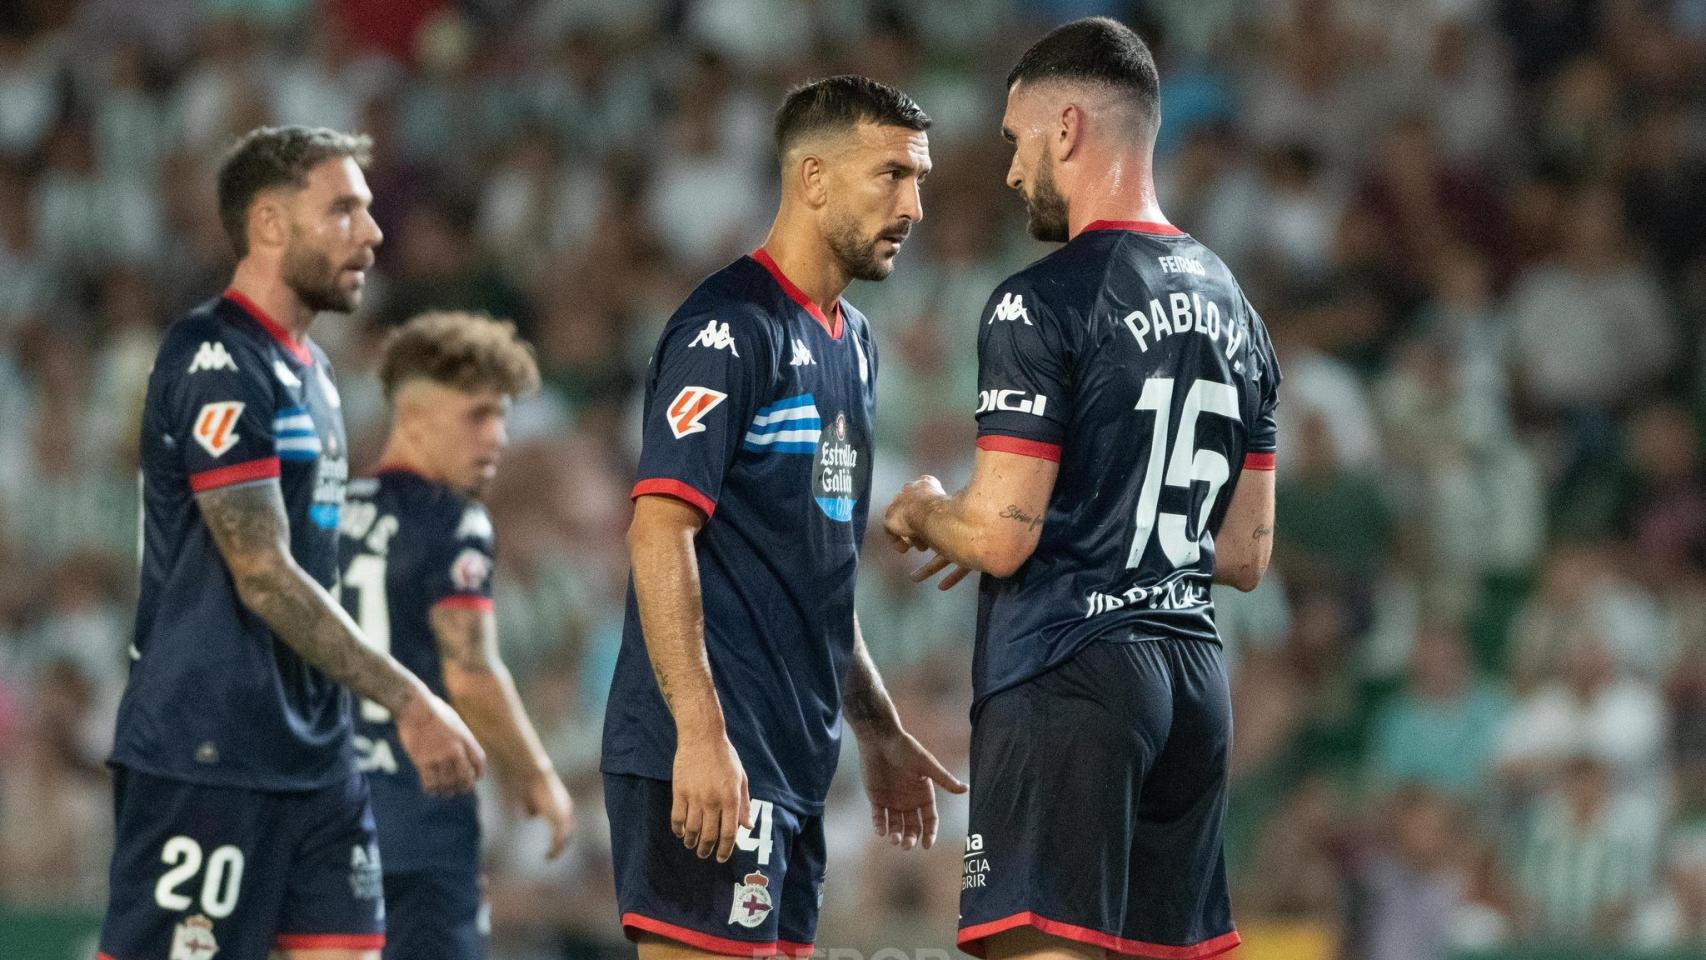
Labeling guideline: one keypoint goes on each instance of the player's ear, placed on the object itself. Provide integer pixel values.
(1069, 128)
(814, 185)
(269, 221)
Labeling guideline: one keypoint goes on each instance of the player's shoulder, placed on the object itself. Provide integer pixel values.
(741, 295)
(206, 339)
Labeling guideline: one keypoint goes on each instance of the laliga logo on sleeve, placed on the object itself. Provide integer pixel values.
(752, 901)
(689, 407)
(215, 426)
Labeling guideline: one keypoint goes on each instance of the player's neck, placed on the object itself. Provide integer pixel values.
(267, 290)
(1115, 195)
(399, 454)
(805, 260)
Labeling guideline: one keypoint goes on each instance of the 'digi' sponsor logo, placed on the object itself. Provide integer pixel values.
(1172, 594)
(839, 472)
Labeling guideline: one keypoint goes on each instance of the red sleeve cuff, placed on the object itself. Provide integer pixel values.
(676, 489)
(1020, 446)
(1258, 461)
(466, 601)
(263, 469)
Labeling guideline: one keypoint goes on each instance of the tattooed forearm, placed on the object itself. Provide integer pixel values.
(252, 531)
(1012, 512)
(864, 700)
(483, 692)
(465, 638)
(1262, 533)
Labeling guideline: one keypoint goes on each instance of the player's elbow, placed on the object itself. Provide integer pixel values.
(262, 577)
(1245, 574)
(1002, 558)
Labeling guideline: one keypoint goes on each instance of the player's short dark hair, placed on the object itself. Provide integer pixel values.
(840, 103)
(1096, 50)
(464, 351)
(268, 157)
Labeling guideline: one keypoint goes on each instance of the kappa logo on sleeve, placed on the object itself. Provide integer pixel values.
(211, 355)
(716, 336)
(216, 426)
(689, 407)
(1011, 308)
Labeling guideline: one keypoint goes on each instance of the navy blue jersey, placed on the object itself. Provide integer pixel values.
(1131, 356)
(410, 544)
(214, 697)
(759, 412)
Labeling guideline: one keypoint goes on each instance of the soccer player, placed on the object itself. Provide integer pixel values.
(243, 825)
(741, 652)
(1124, 462)
(417, 576)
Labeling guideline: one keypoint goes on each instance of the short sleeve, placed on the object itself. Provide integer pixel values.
(1264, 435)
(709, 375)
(224, 416)
(1023, 369)
(461, 571)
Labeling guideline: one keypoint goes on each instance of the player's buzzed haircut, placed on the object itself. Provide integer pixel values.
(1095, 50)
(268, 157)
(841, 103)
(464, 351)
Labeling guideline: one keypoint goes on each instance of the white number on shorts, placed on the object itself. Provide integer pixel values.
(219, 887)
(761, 813)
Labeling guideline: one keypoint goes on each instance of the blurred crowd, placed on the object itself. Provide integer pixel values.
(1471, 697)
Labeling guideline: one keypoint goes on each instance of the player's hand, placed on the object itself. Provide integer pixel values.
(711, 798)
(901, 778)
(546, 797)
(897, 519)
(445, 754)
(936, 565)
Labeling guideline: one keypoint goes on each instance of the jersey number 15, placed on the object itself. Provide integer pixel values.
(1184, 466)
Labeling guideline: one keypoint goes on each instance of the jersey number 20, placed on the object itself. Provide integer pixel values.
(1184, 466)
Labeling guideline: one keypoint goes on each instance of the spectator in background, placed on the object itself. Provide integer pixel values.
(1411, 880)
(1440, 731)
(1589, 710)
(1676, 918)
(1587, 858)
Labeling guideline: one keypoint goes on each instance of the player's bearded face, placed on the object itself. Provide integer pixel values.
(316, 279)
(1044, 205)
(865, 255)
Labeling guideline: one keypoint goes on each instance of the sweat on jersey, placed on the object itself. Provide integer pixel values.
(410, 545)
(213, 696)
(758, 412)
(1131, 357)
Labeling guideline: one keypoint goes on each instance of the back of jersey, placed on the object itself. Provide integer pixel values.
(1132, 357)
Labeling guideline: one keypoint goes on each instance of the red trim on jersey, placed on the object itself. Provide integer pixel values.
(103, 956)
(634, 922)
(330, 941)
(285, 338)
(1136, 226)
(1020, 446)
(676, 489)
(263, 469)
(1258, 461)
(799, 296)
(971, 939)
(466, 601)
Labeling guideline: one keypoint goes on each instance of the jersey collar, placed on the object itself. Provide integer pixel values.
(294, 347)
(799, 296)
(1136, 226)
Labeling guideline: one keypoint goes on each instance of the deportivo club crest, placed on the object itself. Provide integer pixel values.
(193, 939)
(752, 901)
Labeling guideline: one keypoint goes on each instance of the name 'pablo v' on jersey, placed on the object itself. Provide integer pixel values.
(213, 696)
(1132, 357)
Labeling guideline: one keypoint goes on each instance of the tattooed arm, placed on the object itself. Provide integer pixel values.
(709, 783)
(899, 772)
(252, 531)
(483, 692)
(1245, 541)
(992, 525)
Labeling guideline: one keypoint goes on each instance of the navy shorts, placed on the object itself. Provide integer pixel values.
(762, 902)
(199, 869)
(436, 915)
(1098, 794)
